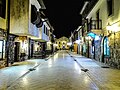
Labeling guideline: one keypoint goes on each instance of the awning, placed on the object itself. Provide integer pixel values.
(93, 35)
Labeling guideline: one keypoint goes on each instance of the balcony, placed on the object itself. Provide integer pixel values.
(95, 26)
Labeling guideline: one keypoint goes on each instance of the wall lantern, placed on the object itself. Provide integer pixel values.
(69, 43)
(108, 27)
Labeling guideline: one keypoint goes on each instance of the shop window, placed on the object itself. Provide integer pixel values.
(110, 7)
(2, 49)
(46, 30)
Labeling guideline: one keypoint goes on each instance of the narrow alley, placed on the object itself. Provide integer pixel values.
(63, 71)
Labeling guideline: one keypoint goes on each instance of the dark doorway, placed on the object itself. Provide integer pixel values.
(31, 50)
(44, 46)
(17, 50)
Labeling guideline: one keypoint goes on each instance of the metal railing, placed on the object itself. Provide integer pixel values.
(95, 24)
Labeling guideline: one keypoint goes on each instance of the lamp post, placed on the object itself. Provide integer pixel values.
(8, 29)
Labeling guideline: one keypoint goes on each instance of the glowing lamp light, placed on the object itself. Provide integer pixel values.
(49, 42)
(69, 43)
(108, 27)
(56, 45)
(97, 38)
(113, 28)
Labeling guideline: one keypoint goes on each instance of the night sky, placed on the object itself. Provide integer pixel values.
(63, 15)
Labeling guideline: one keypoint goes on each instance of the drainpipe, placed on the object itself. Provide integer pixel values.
(8, 29)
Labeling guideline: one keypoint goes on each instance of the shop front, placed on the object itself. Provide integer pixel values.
(94, 46)
(2, 48)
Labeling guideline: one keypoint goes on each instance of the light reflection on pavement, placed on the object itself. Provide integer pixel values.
(61, 72)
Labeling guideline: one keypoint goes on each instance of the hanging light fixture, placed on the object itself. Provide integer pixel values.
(108, 27)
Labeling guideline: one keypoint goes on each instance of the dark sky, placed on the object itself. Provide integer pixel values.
(63, 15)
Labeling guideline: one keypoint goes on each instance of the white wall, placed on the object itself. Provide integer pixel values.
(102, 6)
(42, 35)
(33, 30)
(21, 18)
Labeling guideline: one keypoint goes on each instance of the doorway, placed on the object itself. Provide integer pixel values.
(17, 50)
(105, 49)
(32, 50)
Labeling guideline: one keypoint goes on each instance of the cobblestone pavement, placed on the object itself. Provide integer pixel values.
(62, 72)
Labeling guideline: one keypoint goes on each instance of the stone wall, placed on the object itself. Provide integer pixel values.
(114, 41)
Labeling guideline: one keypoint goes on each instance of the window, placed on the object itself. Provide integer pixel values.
(110, 7)
(44, 28)
(2, 8)
(33, 14)
(47, 32)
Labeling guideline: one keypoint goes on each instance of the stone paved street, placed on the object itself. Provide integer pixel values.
(11, 74)
(60, 72)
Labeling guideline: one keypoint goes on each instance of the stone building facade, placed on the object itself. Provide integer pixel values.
(107, 12)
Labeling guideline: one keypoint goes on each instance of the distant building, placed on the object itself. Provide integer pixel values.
(62, 43)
